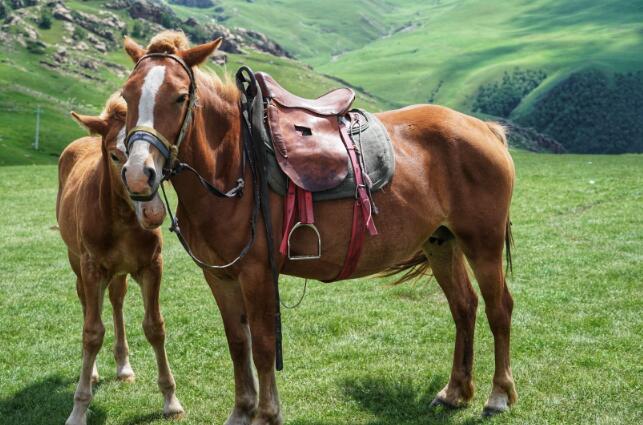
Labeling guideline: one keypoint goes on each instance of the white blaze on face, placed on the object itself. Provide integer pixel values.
(151, 85)
(140, 151)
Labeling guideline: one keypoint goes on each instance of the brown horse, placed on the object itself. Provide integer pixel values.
(447, 204)
(108, 236)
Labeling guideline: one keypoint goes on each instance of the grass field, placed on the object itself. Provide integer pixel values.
(358, 352)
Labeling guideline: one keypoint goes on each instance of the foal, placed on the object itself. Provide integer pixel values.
(108, 237)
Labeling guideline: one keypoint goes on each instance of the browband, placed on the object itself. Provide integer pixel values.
(153, 137)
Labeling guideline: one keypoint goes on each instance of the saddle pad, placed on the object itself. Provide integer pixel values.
(377, 151)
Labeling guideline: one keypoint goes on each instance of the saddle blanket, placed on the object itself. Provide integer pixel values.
(373, 141)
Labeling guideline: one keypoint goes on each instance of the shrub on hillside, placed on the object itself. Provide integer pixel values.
(46, 19)
(79, 33)
(204, 4)
(591, 112)
(499, 98)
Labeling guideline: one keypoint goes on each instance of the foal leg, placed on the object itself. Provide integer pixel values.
(94, 282)
(230, 301)
(485, 258)
(154, 328)
(447, 264)
(75, 265)
(258, 291)
(117, 290)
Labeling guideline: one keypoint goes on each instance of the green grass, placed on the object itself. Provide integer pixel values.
(358, 352)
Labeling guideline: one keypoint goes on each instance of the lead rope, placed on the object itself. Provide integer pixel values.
(303, 294)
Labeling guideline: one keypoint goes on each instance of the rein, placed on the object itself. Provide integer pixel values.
(253, 135)
(173, 167)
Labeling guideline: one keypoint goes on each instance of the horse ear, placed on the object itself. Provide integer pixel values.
(95, 125)
(196, 55)
(133, 49)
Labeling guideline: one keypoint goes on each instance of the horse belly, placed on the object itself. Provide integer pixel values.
(407, 217)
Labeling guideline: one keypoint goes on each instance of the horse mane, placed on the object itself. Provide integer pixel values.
(172, 42)
(115, 108)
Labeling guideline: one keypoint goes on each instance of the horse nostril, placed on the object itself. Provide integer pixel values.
(151, 175)
(123, 177)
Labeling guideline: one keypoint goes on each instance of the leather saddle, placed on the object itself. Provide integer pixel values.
(306, 134)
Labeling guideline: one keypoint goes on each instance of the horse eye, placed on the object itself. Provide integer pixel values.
(181, 98)
(114, 158)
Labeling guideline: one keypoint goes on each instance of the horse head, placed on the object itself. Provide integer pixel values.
(110, 126)
(160, 94)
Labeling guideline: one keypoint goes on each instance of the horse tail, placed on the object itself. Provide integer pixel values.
(498, 130)
(412, 268)
(509, 243)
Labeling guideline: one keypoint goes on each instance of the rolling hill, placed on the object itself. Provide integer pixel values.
(445, 51)
(77, 64)
(568, 71)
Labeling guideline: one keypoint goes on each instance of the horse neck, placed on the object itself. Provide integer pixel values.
(213, 145)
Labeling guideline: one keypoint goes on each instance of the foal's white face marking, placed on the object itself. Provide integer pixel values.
(139, 152)
(120, 140)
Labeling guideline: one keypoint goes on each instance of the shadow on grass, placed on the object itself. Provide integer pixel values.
(144, 419)
(45, 402)
(397, 402)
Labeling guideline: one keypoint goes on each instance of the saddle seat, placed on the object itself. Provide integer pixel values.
(306, 134)
(335, 102)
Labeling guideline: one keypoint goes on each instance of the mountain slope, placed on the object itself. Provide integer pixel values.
(445, 51)
(76, 65)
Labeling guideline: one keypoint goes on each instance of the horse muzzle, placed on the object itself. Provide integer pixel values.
(141, 180)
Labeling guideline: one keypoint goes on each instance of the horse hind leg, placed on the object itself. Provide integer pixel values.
(117, 291)
(448, 266)
(485, 257)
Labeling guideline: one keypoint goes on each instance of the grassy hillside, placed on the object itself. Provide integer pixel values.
(27, 81)
(359, 352)
(443, 51)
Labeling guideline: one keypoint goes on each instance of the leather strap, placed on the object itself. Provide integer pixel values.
(361, 191)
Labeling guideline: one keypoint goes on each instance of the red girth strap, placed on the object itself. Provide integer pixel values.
(361, 222)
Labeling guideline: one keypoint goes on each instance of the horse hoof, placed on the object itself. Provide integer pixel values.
(173, 409)
(440, 402)
(488, 411)
(95, 379)
(128, 379)
(174, 415)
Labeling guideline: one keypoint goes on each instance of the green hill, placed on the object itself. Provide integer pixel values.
(571, 71)
(66, 67)
(444, 51)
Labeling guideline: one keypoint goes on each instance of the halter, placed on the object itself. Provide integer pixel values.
(153, 137)
(170, 151)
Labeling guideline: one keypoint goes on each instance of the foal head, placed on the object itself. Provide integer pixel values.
(110, 125)
(158, 95)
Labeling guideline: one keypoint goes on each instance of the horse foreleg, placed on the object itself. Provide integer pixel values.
(486, 262)
(230, 301)
(154, 329)
(117, 290)
(93, 284)
(447, 264)
(258, 291)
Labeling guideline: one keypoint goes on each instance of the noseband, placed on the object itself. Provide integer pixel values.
(170, 151)
(149, 135)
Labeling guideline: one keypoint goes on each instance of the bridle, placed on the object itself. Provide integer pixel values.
(251, 108)
(172, 166)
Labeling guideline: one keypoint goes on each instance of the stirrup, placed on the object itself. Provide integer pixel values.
(304, 257)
